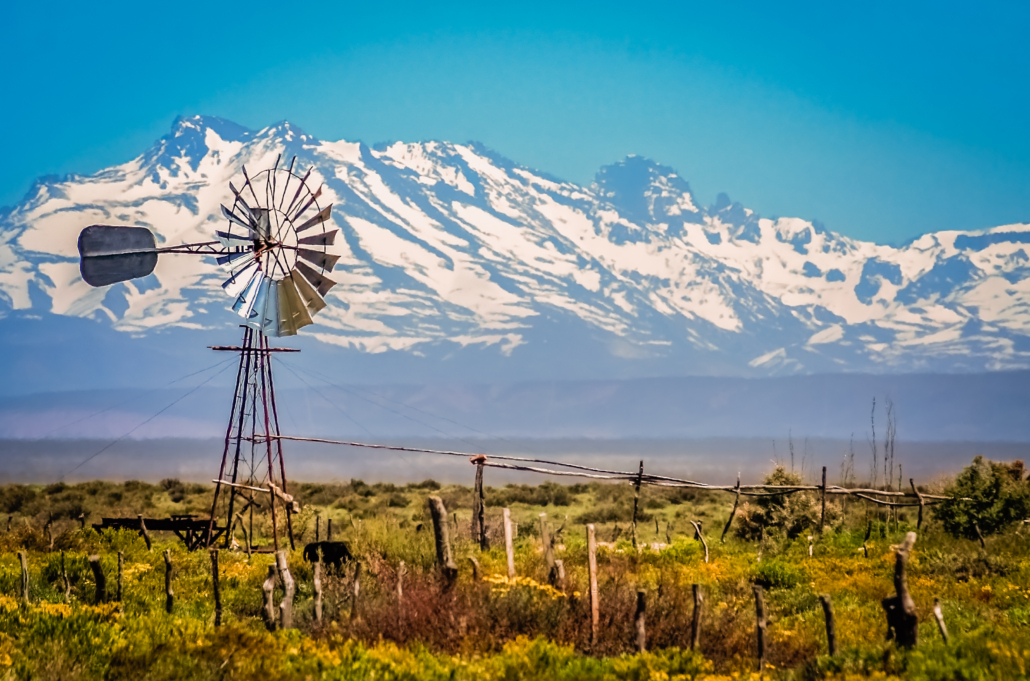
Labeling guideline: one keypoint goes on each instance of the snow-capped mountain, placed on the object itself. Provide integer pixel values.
(451, 250)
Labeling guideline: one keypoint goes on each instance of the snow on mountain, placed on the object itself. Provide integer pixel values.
(451, 248)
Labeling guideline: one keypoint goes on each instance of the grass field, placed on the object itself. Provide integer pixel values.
(492, 628)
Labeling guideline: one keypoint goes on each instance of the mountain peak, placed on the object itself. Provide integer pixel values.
(647, 192)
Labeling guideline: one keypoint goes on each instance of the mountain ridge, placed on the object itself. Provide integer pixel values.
(451, 247)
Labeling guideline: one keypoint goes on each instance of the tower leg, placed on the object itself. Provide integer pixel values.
(225, 452)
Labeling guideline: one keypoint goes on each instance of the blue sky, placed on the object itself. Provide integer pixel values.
(882, 120)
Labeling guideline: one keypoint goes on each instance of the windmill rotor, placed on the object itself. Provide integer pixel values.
(274, 244)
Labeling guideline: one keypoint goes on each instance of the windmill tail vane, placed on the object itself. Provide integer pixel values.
(274, 246)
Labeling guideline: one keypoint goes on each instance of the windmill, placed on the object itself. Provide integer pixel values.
(274, 247)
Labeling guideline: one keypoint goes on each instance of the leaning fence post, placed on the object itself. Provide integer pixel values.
(831, 625)
(267, 589)
(100, 594)
(246, 535)
(475, 569)
(121, 565)
(67, 583)
(509, 547)
(545, 539)
(638, 619)
(919, 522)
(169, 594)
(636, 501)
(733, 512)
(695, 631)
(698, 535)
(760, 626)
(216, 589)
(444, 560)
(144, 532)
(317, 569)
(939, 616)
(592, 568)
(902, 620)
(289, 589)
(24, 577)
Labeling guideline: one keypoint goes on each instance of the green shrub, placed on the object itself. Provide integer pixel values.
(776, 514)
(998, 497)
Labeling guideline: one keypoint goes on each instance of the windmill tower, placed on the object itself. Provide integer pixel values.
(275, 248)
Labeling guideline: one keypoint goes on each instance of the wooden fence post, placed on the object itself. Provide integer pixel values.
(939, 616)
(548, 548)
(831, 625)
(100, 593)
(479, 510)
(509, 547)
(317, 569)
(919, 522)
(695, 631)
(169, 594)
(733, 511)
(121, 566)
(475, 568)
(289, 590)
(902, 620)
(318, 527)
(444, 559)
(268, 589)
(67, 583)
(401, 571)
(49, 531)
(822, 514)
(810, 545)
(328, 529)
(24, 577)
(638, 619)
(865, 542)
(216, 589)
(698, 535)
(760, 626)
(592, 568)
(144, 532)
(636, 501)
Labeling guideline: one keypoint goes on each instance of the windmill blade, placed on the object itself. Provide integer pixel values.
(312, 299)
(319, 281)
(269, 319)
(113, 253)
(323, 239)
(293, 315)
(286, 185)
(262, 222)
(314, 197)
(245, 301)
(239, 279)
(230, 257)
(236, 219)
(296, 195)
(258, 306)
(322, 216)
(225, 237)
(326, 261)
